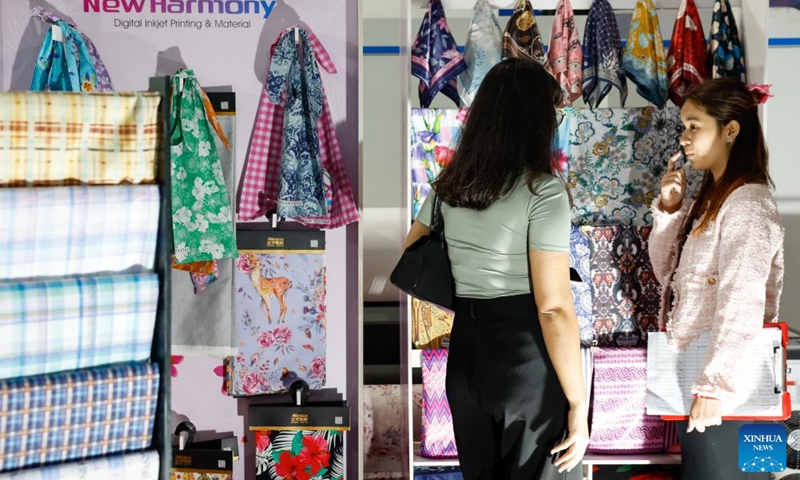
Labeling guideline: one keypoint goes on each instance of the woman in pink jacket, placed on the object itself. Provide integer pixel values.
(720, 260)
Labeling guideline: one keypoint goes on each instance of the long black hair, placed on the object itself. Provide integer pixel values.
(508, 133)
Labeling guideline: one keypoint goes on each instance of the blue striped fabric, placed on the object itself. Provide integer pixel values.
(57, 325)
(76, 415)
(60, 231)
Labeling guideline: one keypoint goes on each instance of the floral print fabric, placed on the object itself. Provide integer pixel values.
(202, 220)
(280, 313)
(644, 59)
(579, 256)
(299, 455)
(724, 45)
(482, 51)
(64, 63)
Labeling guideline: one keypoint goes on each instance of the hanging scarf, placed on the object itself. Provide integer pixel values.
(482, 52)
(724, 45)
(601, 56)
(687, 60)
(202, 220)
(435, 58)
(522, 37)
(565, 55)
(58, 69)
(102, 79)
(302, 193)
(643, 59)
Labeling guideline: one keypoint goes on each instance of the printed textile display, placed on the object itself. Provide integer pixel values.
(279, 286)
(644, 60)
(619, 422)
(579, 259)
(430, 325)
(49, 326)
(565, 55)
(203, 322)
(626, 296)
(303, 454)
(687, 59)
(60, 231)
(43, 143)
(616, 159)
(138, 466)
(482, 51)
(725, 49)
(77, 414)
(437, 439)
(522, 38)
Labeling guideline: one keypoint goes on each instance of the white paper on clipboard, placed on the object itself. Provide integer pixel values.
(670, 376)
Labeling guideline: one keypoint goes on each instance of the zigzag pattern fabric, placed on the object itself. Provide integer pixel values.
(438, 439)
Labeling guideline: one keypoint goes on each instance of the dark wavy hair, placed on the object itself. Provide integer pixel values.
(508, 133)
(726, 100)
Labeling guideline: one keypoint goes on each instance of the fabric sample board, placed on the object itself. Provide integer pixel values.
(45, 141)
(619, 423)
(314, 455)
(437, 439)
(77, 414)
(58, 325)
(61, 231)
(430, 325)
(626, 296)
(617, 158)
(203, 324)
(280, 311)
(130, 466)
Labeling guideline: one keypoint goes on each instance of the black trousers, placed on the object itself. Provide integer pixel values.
(713, 454)
(508, 406)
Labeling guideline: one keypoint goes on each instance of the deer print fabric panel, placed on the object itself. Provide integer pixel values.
(280, 315)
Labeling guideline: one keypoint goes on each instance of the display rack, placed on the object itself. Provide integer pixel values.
(752, 16)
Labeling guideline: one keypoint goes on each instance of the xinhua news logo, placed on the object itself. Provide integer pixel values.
(762, 448)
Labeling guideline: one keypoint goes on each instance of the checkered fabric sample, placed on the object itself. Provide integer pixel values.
(60, 231)
(78, 414)
(139, 466)
(72, 138)
(57, 325)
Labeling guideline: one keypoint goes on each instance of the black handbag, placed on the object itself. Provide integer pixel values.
(424, 268)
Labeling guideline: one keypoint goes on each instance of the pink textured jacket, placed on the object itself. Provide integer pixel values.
(728, 282)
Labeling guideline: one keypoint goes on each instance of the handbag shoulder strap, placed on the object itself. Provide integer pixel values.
(437, 221)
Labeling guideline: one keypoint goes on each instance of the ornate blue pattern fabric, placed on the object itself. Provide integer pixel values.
(602, 53)
(435, 58)
(579, 259)
(482, 52)
(724, 45)
(302, 191)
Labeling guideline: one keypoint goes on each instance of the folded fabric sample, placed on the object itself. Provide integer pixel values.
(58, 325)
(62, 231)
(299, 454)
(71, 138)
(131, 466)
(437, 439)
(78, 414)
(430, 325)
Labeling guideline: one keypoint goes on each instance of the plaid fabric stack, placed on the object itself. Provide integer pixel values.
(78, 294)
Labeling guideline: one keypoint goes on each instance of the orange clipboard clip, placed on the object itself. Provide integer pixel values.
(786, 401)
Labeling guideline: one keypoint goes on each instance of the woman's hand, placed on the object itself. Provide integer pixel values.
(673, 186)
(706, 412)
(576, 442)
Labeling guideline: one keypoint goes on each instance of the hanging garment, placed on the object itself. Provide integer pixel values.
(602, 53)
(58, 68)
(435, 58)
(260, 186)
(626, 296)
(284, 454)
(482, 51)
(77, 414)
(430, 325)
(202, 221)
(687, 59)
(45, 142)
(619, 421)
(579, 259)
(437, 439)
(138, 465)
(57, 325)
(102, 79)
(725, 48)
(617, 158)
(301, 193)
(64, 231)
(643, 59)
(279, 345)
(565, 55)
(522, 37)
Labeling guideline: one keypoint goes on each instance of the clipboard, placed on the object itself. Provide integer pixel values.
(679, 370)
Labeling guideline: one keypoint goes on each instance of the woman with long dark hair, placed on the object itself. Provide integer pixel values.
(720, 260)
(514, 375)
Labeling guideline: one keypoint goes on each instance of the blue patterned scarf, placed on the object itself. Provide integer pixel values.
(602, 52)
